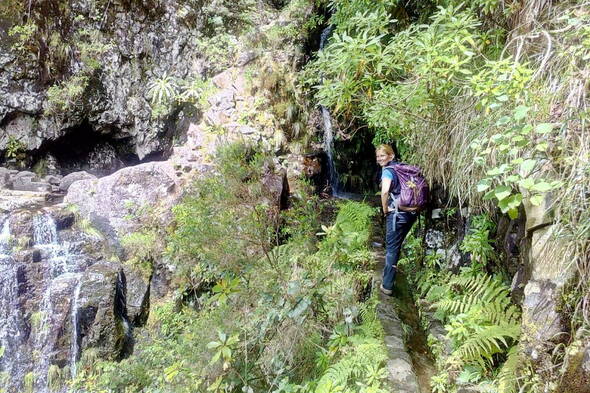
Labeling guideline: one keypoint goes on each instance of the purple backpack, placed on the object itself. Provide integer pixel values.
(413, 194)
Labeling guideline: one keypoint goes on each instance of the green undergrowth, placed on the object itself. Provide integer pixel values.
(485, 96)
(481, 324)
(265, 300)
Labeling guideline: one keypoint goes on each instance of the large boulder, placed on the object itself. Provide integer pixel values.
(112, 202)
(68, 180)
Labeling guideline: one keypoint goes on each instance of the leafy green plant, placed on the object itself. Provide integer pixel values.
(162, 91)
(23, 35)
(67, 95)
(223, 348)
(15, 149)
(224, 289)
(505, 181)
(479, 243)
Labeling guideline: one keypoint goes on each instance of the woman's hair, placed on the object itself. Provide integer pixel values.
(390, 149)
(387, 149)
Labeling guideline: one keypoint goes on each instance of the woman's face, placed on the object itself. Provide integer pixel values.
(383, 158)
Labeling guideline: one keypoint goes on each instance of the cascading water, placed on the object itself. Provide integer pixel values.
(328, 129)
(11, 321)
(75, 340)
(62, 273)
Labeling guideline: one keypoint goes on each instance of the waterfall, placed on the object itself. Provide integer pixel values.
(5, 239)
(62, 281)
(75, 343)
(44, 230)
(328, 129)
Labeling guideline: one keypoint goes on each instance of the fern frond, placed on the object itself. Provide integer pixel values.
(484, 343)
(507, 375)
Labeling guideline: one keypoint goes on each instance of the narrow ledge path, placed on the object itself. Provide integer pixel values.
(406, 372)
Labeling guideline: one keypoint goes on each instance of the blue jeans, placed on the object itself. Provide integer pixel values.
(394, 238)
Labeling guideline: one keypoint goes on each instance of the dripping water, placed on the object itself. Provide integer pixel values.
(328, 128)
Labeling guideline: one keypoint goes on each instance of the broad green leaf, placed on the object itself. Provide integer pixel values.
(528, 165)
(502, 192)
(542, 186)
(503, 120)
(503, 205)
(483, 185)
(513, 214)
(512, 178)
(520, 112)
(215, 357)
(222, 336)
(544, 128)
(526, 129)
(543, 146)
(537, 199)
(494, 172)
(496, 138)
(518, 161)
(514, 201)
(527, 183)
(488, 195)
(213, 344)
(502, 98)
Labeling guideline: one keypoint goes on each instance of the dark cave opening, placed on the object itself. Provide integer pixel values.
(84, 149)
(354, 159)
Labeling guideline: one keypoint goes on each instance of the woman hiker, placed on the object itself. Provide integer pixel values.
(398, 223)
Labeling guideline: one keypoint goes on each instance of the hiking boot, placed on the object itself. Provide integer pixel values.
(388, 292)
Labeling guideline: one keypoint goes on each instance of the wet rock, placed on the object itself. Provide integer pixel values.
(52, 179)
(115, 103)
(25, 184)
(62, 292)
(99, 326)
(63, 217)
(275, 186)
(434, 239)
(541, 320)
(13, 200)
(68, 180)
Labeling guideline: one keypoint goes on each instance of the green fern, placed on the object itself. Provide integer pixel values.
(507, 375)
(481, 289)
(349, 369)
(355, 217)
(484, 343)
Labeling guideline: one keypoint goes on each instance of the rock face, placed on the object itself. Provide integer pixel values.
(550, 266)
(133, 44)
(58, 296)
